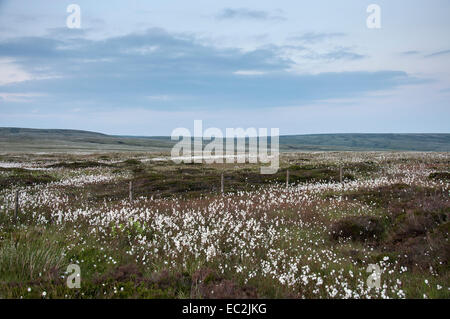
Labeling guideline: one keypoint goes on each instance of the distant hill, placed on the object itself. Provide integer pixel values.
(363, 142)
(46, 140)
(25, 139)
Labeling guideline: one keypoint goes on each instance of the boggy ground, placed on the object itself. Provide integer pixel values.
(181, 238)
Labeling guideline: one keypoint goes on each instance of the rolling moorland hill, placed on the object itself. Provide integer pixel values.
(59, 140)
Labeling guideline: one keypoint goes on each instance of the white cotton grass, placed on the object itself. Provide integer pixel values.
(246, 234)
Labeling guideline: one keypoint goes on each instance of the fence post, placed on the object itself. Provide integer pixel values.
(340, 174)
(131, 191)
(221, 183)
(287, 178)
(16, 208)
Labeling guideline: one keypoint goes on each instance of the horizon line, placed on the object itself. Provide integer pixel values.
(281, 135)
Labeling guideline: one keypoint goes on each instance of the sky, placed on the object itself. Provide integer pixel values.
(146, 67)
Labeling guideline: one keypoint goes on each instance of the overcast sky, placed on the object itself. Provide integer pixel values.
(147, 67)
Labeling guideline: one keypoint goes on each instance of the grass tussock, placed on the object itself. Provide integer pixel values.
(78, 165)
(359, 228)
(30, 257)
(13, 177)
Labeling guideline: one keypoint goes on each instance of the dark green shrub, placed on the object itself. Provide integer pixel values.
(358, 228)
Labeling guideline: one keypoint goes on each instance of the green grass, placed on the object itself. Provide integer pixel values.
(30, 255)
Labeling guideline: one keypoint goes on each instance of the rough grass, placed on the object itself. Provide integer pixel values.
(335, 232)
(23, 177)
(444, 176)
(76, 165)
(359, 228)
(196, 180)
(30, 256)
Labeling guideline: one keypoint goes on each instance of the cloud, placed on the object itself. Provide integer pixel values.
(24, 18)
(314, 37)
(19, 97)
(64, 32)
(160, 97)
(412, 52)
(249, 72)
(147, 69)
(439, 53)
(11, 72)
(342, 54)
(336, 54)
(152, 53)
(248, 14)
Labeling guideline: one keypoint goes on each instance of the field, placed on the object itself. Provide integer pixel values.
(180, 237)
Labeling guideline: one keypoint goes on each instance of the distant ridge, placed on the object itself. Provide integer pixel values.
(368, 141)
(54, 132)
(61, 140)
(46, 140)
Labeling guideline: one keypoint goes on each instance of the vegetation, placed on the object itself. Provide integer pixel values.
(180, 237)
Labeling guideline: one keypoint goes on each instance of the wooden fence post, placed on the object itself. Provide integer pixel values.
(16, 208)
(221, 183)
(340, 174)
(287, 178)
(131, 191)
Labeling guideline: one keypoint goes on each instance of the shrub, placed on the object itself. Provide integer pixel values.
(383, 196)
(206, 283)
(358, 228)
(412, 224)
(23, 177)
(445, 176)
(132, 161)
(75, 165)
